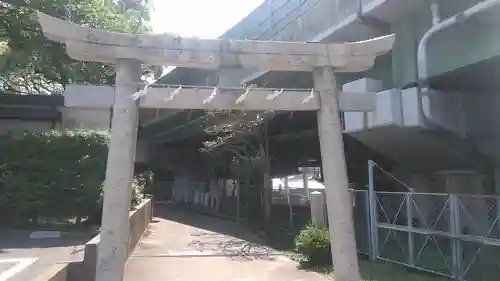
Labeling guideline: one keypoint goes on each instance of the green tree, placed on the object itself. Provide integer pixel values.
(31, 64)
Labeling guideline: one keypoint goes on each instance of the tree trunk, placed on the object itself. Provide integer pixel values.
(267, 197)
(267, 192)
(245, 196)
(266, 187)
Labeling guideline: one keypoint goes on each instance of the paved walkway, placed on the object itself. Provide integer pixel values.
(181, 246)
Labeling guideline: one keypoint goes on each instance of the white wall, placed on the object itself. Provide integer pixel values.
(90, 107)
(87, 106)
(388, 106)
(402, 108)
(88, 118)
(89, 96)
(387, 112)
(24, 125)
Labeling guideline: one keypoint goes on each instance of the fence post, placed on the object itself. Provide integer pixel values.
(366, 197)
(373, 211)
(305, 179)
(455, 243)
(238, 202)
(318, 215)
(409, 219)
(289, 200)
(497, 207)
(496, 180)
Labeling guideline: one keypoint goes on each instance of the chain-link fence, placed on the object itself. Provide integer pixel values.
(448, 234)
(290, 209)
(290, 212)
(361, 217)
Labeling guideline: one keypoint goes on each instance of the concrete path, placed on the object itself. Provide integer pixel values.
(181, 246)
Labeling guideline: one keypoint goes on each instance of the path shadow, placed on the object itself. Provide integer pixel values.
(219, 236)
(234, 248)
(178, 214)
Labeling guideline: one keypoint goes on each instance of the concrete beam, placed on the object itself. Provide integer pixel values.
(95, 97)
(226, 98)
(159, 117)
(88, 44)
(102, 97)
(256, 99)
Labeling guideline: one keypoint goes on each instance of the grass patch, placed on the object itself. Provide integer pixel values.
(370, 270)
(380, 271)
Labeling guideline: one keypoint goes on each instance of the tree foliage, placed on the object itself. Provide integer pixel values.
(31, 64)
(238, 136)
(239, 146)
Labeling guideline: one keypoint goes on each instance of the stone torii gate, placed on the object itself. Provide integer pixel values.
(128, 51)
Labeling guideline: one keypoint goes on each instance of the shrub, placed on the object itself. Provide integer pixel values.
(138, 186)
(137, 192)
(56, 175)
(313, 244)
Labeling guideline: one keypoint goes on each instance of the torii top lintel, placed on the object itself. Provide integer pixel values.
(89, 44)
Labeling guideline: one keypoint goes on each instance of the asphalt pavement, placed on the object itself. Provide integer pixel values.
(23, 258)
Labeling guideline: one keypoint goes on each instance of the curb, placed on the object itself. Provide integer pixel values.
(58, 272)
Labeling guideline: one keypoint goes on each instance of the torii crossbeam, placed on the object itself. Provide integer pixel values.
(128, 51)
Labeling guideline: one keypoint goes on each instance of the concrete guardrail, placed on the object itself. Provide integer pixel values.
(58, 272)
(85, 270)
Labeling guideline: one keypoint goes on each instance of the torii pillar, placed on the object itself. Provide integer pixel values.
(335, 176)
(127, 51)
(119, 174)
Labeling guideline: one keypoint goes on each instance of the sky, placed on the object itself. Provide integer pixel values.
(199, 18)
